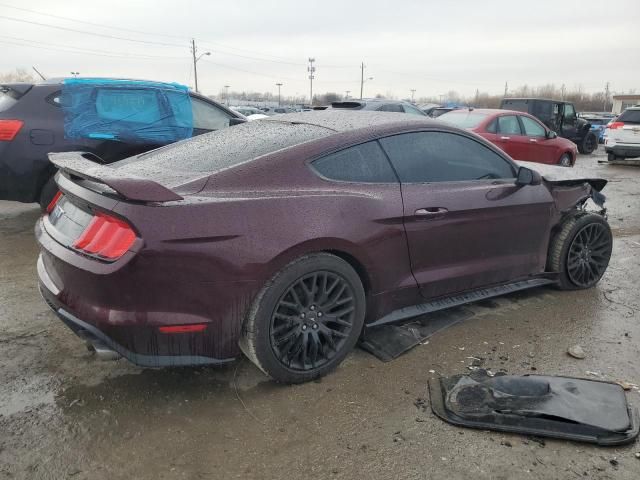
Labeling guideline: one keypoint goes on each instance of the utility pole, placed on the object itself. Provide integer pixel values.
(347, 92)
(477, 97)
(606, 97)
(226, 93)
(506, 88)
(361, 79)
(311, 69)
(563, 89)
(413, 91)
(279, 85)
(195, 68)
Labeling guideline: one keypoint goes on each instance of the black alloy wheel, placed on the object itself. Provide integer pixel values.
(312, 320)
(588, 255)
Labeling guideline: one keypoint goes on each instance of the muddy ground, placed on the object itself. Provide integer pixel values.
(65, 415)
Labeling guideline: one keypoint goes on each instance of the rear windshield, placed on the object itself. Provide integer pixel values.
(6, 102)
(218, 150)
(630, 116)
(463, 119)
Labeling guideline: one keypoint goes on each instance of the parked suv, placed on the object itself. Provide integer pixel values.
(560, 117)
(32, 124)
(623, 135)
(380, 105)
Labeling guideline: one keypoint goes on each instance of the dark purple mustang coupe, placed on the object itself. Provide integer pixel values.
(285, 238)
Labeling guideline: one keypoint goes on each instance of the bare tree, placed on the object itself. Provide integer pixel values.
(20, 75)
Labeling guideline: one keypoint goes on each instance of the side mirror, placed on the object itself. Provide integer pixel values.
(551, 134)
(236, 121)
(527, 176)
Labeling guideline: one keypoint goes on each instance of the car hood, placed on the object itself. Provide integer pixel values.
(563, 175)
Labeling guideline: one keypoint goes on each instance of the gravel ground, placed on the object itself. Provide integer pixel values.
(65, 415)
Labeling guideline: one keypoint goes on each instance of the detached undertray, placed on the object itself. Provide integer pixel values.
(562, 407)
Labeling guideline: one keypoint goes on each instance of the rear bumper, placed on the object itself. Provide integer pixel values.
(122, 307)
(623, 150)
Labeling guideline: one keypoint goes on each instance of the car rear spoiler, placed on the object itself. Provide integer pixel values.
(133, 188)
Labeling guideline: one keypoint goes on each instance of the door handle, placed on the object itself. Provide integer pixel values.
(505, 138)
(431, 212)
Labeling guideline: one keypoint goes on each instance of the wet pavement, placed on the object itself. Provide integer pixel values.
(64, 414)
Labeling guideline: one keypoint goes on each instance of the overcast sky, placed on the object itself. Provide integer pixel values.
(430, 46)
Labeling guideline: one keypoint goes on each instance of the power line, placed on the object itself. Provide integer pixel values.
(141, 32)
(103, 35)
(72, 49)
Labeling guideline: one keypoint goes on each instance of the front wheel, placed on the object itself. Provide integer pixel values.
(306, 319)
(565, 160)
(589, 144)
(580, 251)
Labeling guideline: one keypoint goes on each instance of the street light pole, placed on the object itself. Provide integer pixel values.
(279, 85)
(195, 62)
(311, 69)
(361, 79)
(347, 92)
(413, 91)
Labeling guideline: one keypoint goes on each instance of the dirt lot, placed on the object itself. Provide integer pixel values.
(65, 415)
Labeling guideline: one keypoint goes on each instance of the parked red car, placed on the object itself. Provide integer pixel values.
(521, 135)
(286, 237)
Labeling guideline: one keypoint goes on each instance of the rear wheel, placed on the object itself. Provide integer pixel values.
(580, 251)
(47, 193)
(565, 160)
(306, 319)
(589, 143)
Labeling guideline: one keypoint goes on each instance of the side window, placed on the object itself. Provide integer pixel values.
(56, 99)
(569, 112)
(493, 126)
(443, 157)
(413, 110)
(391, 107)
(365, 163)
(508, 124)
(532, 128)
(207, 116)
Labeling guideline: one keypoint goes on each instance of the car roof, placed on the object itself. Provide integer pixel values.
(488, 111)
(340, 120)
(534, 98)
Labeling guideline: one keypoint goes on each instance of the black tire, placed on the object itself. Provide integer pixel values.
(580, 251)
(612, 157)
(565, 160)
(588, 144)
(47, 193)
(285, 341)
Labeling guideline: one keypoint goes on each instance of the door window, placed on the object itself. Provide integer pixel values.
(443, 157)
(362, 163)
(413, 110)
(509, 125)
(532, 128)
(569, 113)
(207, 116)
(391, 107)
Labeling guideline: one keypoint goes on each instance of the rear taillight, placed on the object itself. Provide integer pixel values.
(54, 201)
(106, 237)
(9, 129)
(616, 125)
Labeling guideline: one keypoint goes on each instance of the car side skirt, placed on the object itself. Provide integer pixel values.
(460, 299)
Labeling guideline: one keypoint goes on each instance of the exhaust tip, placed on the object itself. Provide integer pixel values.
(102, 352)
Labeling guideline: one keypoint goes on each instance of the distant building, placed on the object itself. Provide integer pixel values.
(622, 102)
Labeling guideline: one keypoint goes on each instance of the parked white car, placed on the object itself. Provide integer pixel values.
(623, 135)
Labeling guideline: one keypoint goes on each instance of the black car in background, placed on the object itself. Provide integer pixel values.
(32, 125)
(560, 116)
(380, 105)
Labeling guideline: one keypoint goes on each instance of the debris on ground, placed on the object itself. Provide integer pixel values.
(568, 408)
(577, 352)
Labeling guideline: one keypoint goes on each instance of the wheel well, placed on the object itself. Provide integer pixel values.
(357, 266)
